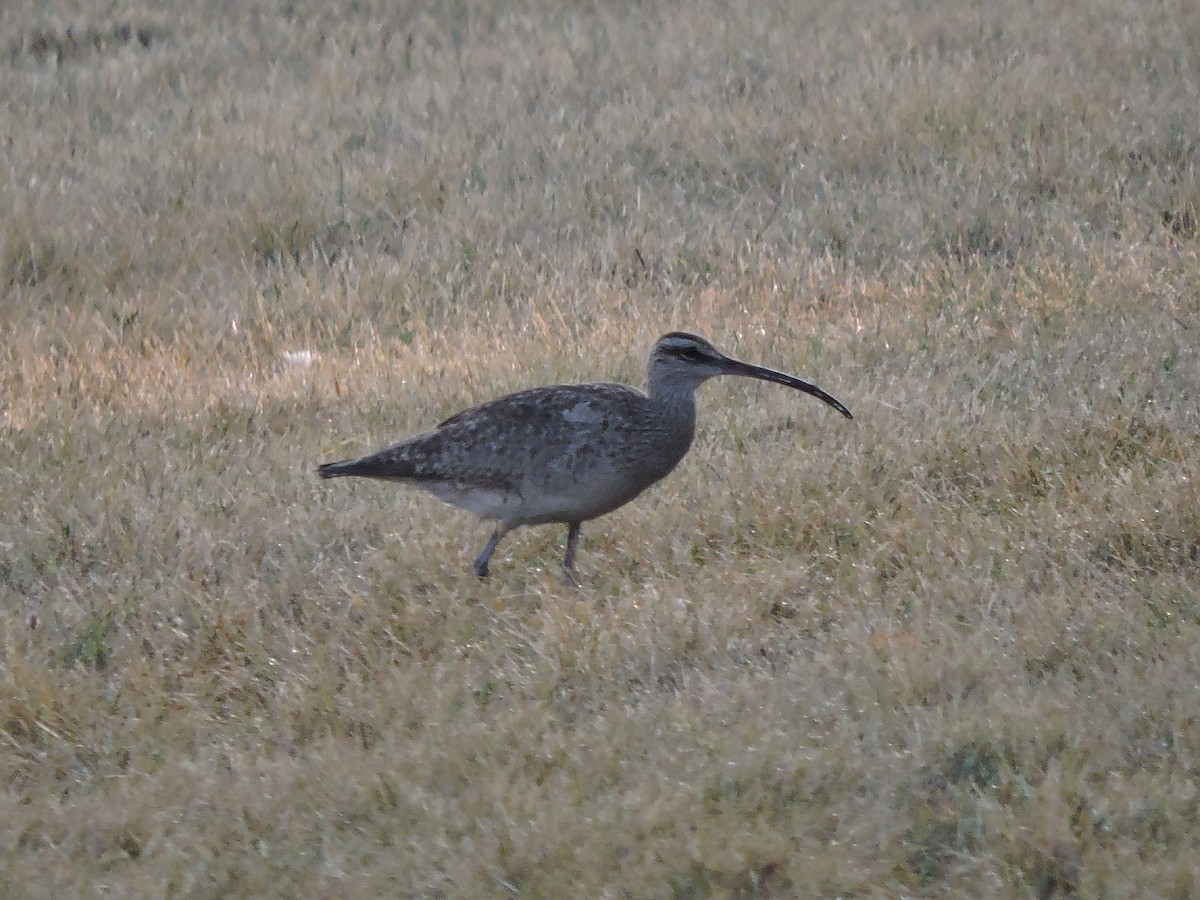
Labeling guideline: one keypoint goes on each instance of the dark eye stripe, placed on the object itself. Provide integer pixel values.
(685, 347)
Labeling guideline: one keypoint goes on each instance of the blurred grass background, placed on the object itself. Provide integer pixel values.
(946, 650)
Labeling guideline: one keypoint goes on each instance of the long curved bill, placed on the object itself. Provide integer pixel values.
(734, 367)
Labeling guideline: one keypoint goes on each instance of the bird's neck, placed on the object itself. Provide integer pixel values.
(674, 402)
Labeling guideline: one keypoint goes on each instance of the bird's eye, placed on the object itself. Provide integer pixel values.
(689, 354)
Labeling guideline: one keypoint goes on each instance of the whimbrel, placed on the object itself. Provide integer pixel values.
(568, 453)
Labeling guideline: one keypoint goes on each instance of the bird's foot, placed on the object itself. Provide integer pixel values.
(481, 561)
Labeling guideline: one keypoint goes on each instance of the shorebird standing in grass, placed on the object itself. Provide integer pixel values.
(567, 453)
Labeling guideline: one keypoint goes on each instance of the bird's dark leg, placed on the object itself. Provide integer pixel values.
(481, 561)
(572, 542)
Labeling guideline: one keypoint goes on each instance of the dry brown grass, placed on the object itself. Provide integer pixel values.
(949, 649)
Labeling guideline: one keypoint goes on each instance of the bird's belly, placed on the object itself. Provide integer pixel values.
(487, 503)
(550, 500)
(578, 498)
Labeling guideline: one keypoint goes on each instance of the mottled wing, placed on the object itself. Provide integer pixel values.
(501, 444)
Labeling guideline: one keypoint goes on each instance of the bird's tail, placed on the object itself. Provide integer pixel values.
(378, 465)
(334, 469)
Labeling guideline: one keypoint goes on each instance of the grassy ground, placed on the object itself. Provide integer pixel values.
(949, 649)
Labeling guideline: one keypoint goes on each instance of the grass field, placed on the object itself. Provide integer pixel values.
(949, 649)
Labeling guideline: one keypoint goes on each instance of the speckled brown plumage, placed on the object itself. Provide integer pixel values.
(567, 453)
